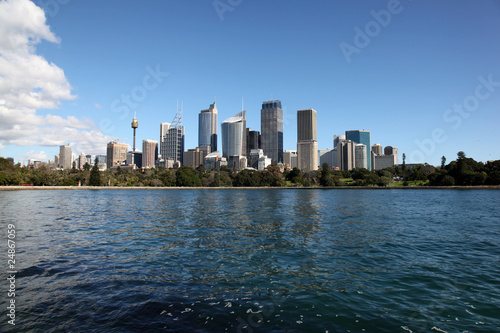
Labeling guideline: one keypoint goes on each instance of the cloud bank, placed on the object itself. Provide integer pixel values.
(28, 82)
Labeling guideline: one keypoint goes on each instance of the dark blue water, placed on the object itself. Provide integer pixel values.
(253, 260)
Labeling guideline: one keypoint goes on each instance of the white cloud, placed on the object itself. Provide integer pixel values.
(36, 155)
(28, 82)
(98, 106)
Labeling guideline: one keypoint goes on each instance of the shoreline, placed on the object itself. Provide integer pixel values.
(36, 188)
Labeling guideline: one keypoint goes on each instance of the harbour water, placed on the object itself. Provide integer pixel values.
(253, 260)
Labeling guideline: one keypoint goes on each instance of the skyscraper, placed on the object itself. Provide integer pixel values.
(164, 127)
(271, 126)
(116, 154)
(346, 159)
(361, 136)
(307, 143)
(234, 135)
(65, 157)
(172, 142)
(172, 145)
(207, 129)
(149, 153)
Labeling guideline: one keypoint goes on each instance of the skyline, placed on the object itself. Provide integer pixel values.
(420, 76)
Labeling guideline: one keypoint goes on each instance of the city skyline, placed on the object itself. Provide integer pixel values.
(374, 66)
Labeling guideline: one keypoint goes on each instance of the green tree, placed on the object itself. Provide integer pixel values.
(326, 178)
(86, 166)
(186, 177)
(443, 162)
(95, 174)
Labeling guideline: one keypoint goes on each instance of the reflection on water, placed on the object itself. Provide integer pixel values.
(256, 260)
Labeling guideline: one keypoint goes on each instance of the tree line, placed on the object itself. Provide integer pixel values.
(462, 171)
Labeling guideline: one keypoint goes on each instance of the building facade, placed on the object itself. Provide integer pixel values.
(307, 140)
(234, 135)
(207, 129)
(116, 154)
(65, 157)
(172, 144)
(361, 136)
(149, 153)
(271, 126)
(194, 157)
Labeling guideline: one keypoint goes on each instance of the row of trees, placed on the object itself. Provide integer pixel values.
(462, 171)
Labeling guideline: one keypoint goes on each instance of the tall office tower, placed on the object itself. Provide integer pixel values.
(361, 136)
(172, 142)
(116, 154)
(149, 153)
(346, 159)
(253, 141)
(234, 135)
(271, 126)
(134, 125)
(360, 156)
(65, 157)
(307, 140)
(377, 149)
(172, 145)
(207, 129)
(164, 127)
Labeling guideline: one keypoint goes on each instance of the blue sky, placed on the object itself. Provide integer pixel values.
(424, 76)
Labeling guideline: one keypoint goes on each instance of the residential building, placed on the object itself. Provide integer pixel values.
(149, 153)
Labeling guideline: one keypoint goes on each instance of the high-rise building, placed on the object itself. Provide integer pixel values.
(346, 159)
(361, 136)
(307, 140)
(116, 154)
(234, 135)
(164, 127)
(377, 149)
(271, 126)
(149, 153)
(173, 144)
(360, 155)
(253, 141)
(65, 157)
(207, 129)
